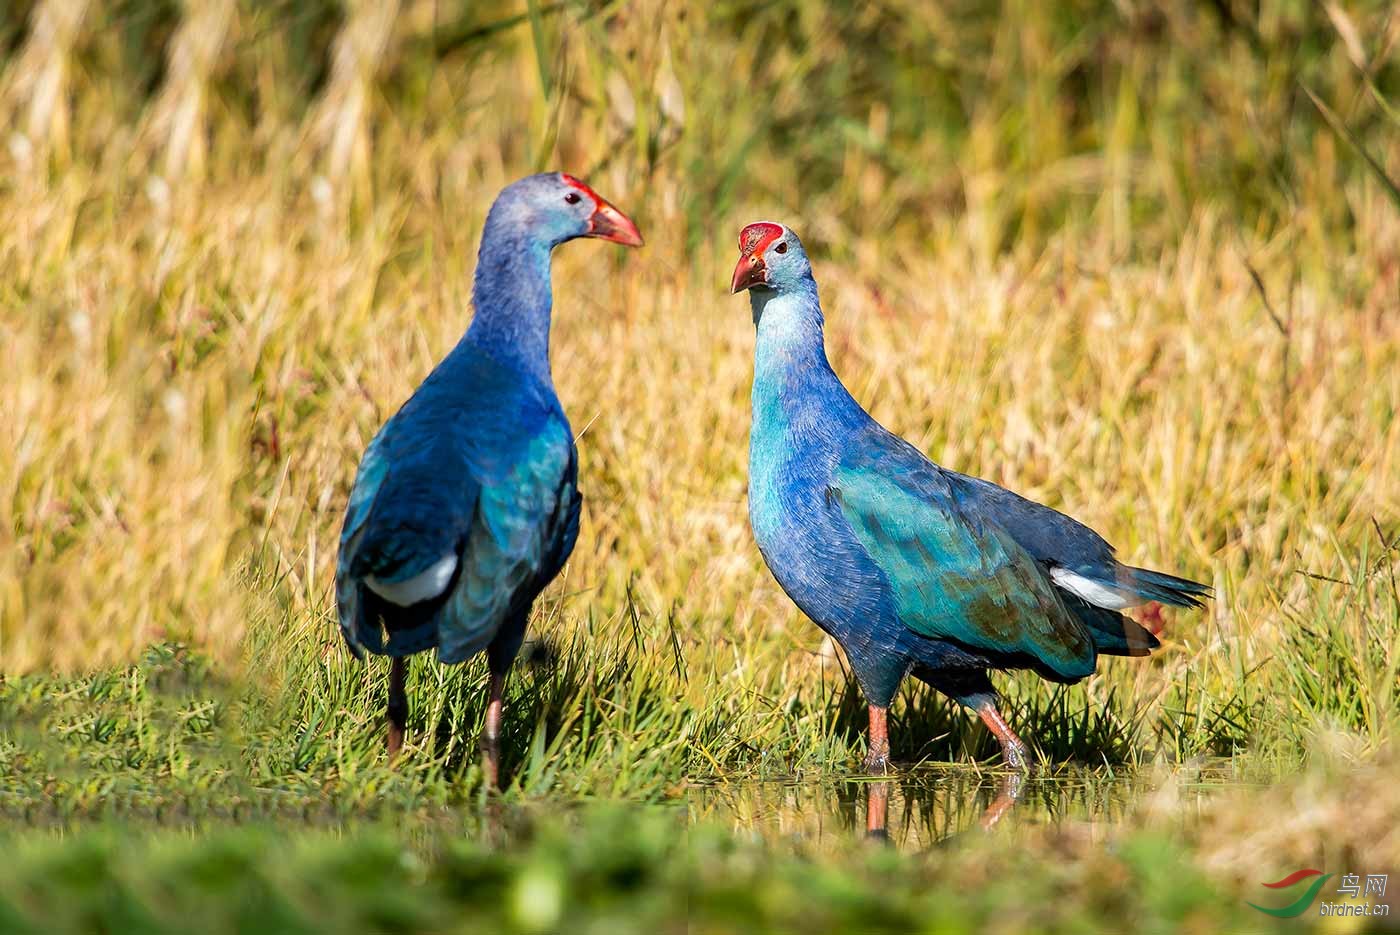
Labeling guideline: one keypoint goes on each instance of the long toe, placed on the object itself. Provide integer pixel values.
(1013, 750)
(877, 763)
(1016, 755)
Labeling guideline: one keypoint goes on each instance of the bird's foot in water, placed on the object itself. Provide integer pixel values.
(1014, 751)
(1016, 755)
(877, 762)
(877, 757)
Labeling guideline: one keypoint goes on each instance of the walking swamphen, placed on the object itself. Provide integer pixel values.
(913, 568)
(465, 504)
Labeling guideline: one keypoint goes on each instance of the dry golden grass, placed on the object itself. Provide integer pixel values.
(179, 379)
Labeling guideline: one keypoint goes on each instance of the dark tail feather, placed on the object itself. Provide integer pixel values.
(1113, 634)
(1167, 589)
(372, 624)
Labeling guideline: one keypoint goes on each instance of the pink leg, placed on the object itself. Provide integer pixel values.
(1013, 750)
(877, 758)
(491, 733)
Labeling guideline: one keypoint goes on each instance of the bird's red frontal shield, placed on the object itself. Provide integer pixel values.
(753, 241)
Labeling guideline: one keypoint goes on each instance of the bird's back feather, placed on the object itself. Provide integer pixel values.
(478, 464)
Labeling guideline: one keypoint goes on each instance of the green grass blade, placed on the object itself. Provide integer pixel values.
(537, 14)
(1339, 127)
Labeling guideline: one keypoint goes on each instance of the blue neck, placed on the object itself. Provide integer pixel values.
(512, 298)
(802, 414)
(790, 350)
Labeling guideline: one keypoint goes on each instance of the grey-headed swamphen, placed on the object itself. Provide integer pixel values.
(465, 504)
(913, 568)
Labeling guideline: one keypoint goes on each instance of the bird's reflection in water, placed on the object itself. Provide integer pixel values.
(877, 810)
(1013, 785)
(926, 805)
(1010, 789)
(918, 807)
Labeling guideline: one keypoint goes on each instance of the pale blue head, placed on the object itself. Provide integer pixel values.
(554, 207)
(511, 290)
(771, 258)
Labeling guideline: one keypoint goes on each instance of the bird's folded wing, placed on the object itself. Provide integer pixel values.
(410, 509)
(953, 574)
(1080, 562)
(520, 520)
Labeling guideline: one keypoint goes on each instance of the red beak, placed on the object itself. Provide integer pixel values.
(608, 223)
(749, 273)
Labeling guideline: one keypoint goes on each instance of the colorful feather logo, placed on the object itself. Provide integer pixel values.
(1301, 904)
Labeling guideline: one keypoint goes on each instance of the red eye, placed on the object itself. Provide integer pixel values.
(573, 198)
(781, 247)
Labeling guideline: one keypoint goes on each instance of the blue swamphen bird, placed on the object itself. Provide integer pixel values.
(465, 504)
(913, 568)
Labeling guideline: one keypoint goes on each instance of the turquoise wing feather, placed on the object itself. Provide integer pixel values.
(953, 574)
(519, 518)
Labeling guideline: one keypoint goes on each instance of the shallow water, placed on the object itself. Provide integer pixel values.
(924, 806)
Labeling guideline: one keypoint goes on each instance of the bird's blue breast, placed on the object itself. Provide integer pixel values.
(808, 545)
